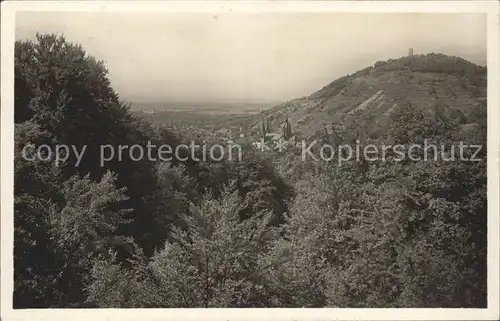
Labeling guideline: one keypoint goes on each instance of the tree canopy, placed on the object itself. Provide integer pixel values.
(237, 233)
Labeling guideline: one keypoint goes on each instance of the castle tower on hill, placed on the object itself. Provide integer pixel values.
(286, 130)
(410, 52)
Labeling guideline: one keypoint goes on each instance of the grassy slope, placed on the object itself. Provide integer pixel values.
(423, 79)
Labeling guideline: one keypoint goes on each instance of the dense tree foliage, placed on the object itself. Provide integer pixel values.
(239, 233)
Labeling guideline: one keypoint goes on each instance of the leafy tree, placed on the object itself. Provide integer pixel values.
(86, 228)
(91, 216)
(214, 262)
(408, 124)
(37, 259)
(235, 233)
(114, 286)
(65, 92)
(169, 201)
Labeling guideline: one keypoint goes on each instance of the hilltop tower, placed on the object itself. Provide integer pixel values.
(410, 52)
(286, 130)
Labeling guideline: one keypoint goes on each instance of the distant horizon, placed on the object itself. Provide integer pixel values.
(262, 57)
(258, 101)
(199, 101)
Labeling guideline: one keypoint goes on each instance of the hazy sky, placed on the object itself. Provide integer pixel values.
(236, 56)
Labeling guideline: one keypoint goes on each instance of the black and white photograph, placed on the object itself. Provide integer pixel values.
(250, 159)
